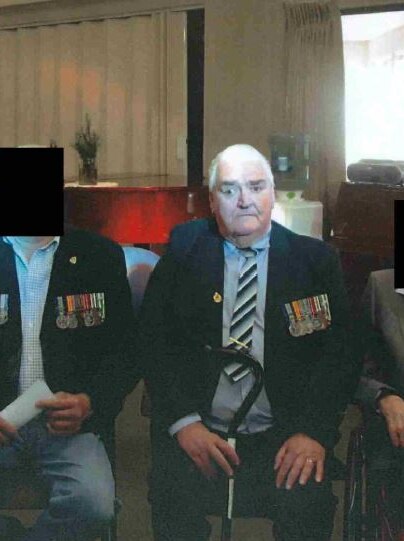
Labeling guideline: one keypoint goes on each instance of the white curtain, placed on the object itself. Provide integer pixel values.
(114, 70)
(315, 92)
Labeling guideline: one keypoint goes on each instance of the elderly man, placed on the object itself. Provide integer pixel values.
(65, 318)
(243, 281)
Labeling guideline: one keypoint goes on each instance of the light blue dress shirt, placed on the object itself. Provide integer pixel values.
(33, 280)
(229, 396)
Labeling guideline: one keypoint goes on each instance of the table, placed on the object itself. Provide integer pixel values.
(301, 216)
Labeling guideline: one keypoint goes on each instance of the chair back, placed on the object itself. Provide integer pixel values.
(139, 265)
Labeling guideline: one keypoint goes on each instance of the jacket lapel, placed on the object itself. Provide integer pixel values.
(61, 279)
(11, 336)
(207, 262)
(279, 284)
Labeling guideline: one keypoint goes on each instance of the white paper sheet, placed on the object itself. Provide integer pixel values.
(23, 409)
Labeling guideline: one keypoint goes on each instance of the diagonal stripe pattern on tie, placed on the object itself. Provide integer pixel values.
(242, 322)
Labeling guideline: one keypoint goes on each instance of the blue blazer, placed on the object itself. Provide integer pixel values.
(308, 379)
(96, 360)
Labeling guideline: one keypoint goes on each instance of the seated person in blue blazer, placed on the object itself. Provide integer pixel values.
(66, 318)
(239, 280)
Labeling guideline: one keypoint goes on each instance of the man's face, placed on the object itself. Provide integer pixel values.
(242, 201)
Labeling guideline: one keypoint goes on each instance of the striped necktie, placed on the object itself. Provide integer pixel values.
(241, 328)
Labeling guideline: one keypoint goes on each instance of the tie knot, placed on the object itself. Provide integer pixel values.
(248, 252)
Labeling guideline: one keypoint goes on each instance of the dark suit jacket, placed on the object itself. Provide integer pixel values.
(308, 379)
(93, 360)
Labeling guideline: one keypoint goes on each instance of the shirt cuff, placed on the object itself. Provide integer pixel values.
(381, 393)
(183, 422)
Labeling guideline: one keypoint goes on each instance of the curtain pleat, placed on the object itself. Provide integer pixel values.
(315, 92)
(113, 70)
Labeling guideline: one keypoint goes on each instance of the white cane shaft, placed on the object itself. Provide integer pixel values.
(230, 486)
(230, 497)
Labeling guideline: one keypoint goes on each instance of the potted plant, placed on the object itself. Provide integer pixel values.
(86, 143)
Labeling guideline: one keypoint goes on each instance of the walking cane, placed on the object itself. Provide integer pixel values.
(246, 362)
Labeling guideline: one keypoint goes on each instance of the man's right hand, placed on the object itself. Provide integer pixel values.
(206, 448)
(392, 408)
(7, 432)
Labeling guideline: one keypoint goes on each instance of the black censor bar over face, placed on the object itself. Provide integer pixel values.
(31, 191)
(399, 244)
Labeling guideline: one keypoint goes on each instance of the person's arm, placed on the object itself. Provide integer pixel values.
(391, 406)
(118, 369)
(337, 368)
(313, 429)
(171, 359)
(93, 402)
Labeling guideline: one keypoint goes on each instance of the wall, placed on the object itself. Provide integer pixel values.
(244, 73)
(244, 90)
(244, 64)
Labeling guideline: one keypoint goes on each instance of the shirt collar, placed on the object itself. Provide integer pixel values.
(259, 245)
(11, 241)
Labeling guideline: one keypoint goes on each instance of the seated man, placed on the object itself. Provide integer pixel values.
(65, 318)
(381, 388)
(240, 281)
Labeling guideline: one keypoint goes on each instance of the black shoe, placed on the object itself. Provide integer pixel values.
(11, 529)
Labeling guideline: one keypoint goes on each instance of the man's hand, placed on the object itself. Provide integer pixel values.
(297, 458)
(66, 412)
(7, 432)
(205, 448)
(392, 408)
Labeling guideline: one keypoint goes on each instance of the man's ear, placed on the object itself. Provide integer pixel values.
(212, 210)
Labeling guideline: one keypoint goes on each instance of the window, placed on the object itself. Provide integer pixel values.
(374, 85)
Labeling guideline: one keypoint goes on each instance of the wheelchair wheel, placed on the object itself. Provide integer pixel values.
(381, 522)
(354, 487)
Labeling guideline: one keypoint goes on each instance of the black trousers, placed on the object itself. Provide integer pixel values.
(181, 496)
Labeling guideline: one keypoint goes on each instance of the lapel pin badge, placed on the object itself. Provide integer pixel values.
(73, 260)
(217, 297)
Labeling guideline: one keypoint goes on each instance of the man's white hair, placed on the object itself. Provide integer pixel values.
(238, 152)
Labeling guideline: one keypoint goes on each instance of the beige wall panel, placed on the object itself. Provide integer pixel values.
(91, 98)
(244, 74)
(69, 65)
(48, 112)
(27, 82)
(140, 107)
(176, 95)
(8, 60)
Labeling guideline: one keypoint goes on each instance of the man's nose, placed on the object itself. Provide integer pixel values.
(244, 199)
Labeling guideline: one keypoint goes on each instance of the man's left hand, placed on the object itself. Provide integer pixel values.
(298, 457)
(66, 412)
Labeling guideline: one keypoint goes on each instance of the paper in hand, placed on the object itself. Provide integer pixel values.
(23, 409)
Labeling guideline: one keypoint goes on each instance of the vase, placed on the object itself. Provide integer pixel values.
(88, 172)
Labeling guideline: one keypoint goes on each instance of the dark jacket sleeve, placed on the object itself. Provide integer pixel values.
(335, 375)
(171, 359)
(118, 368)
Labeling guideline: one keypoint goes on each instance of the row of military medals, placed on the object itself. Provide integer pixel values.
(308, 315)
(86, 309)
